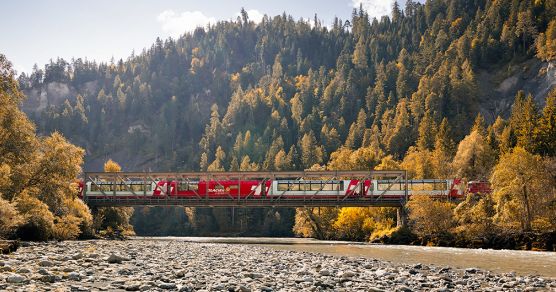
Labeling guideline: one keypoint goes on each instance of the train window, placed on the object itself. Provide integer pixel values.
(193, 187)
(218, 187)
(137, 187)
(420, 186)
(328, 187)
(183, 186)
(441, 185)
(312, 186)
(316, 186)
(282, 186)
(233, 187)
(294, 186)
(389, 185)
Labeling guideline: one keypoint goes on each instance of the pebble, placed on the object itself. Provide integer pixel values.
(173, 265)
(15, 278)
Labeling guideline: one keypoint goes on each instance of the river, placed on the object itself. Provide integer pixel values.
(499, 261)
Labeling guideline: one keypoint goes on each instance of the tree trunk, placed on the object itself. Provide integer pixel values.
(528, 218)
(314, 224)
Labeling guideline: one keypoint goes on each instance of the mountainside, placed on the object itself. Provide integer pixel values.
(285, 94)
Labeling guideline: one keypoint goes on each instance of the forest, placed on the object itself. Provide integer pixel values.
(444, 89)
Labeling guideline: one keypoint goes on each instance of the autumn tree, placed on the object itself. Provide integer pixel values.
(315, 222)
(443, 151)
(354, 223)
(10, 219)
(474, 158)
(475, 216)
(546, 43)
(545, 132)
(522, 191)
(430, 217)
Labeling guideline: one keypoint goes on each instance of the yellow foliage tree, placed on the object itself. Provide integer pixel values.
(315, 222)
(475, 216)
(388, 163)
(112, 166)
(39, 221)
(522, 191)
(546, 43)
(430, 217)
(418, 163)
(10, 219)
(354, 223)
(474, 158)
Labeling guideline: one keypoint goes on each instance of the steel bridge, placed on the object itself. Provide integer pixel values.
(310, 198)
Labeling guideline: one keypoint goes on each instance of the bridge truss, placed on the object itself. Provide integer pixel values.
(269, 199)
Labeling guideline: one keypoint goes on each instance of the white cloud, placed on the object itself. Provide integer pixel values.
(254, 15)
(377, 8)
(178, 23)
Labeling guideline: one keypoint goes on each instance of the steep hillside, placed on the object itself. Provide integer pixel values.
(286, 94)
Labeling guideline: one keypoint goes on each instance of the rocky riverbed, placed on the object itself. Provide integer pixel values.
(153, 265)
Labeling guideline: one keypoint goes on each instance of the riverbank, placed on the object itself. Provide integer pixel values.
(151, 264)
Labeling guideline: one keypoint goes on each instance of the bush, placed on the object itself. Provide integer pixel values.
(66, 227)
(39, 221)
(10, 219)
(115, 218)
(429, 217)
(78, 209)
(354, 223)
(315, 222)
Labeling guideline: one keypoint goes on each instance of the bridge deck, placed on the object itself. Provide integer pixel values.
(292, 203)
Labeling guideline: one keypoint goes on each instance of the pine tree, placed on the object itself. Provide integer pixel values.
(546, 129)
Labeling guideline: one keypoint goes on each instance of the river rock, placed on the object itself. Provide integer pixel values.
(174, 265)
(45, 263)
(15, 278)
(115, 259)
(167, 286)
(74, 276)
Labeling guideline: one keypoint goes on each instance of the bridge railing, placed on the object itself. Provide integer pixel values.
(136, 186)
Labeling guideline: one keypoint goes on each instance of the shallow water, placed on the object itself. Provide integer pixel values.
(499, 261)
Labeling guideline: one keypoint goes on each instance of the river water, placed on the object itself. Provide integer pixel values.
(499, 261)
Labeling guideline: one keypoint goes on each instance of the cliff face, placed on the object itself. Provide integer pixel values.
(499, 86)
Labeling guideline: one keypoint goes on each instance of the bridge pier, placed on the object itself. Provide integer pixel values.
(401, 217)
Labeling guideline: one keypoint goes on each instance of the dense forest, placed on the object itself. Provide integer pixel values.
(443, 89)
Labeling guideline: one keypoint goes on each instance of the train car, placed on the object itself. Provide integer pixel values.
(118, 189)
(441, 188)
(452, 189)
(214, 189)
(319, 188)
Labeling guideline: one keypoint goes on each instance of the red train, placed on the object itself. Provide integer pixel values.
(284, 188)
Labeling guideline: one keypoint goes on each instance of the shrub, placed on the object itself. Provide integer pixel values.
(66, 227)
(430, 217)
(39, 221)
(10, 219)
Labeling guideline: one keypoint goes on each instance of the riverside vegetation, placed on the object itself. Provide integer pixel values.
(434, 89)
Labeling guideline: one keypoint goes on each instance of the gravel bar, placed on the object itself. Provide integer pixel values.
(153, 265)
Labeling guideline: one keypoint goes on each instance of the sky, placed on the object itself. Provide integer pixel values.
(35, 31)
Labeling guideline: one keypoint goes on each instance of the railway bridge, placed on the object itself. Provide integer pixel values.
(297, 189)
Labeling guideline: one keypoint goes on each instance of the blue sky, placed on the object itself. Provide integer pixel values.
(37, 31)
